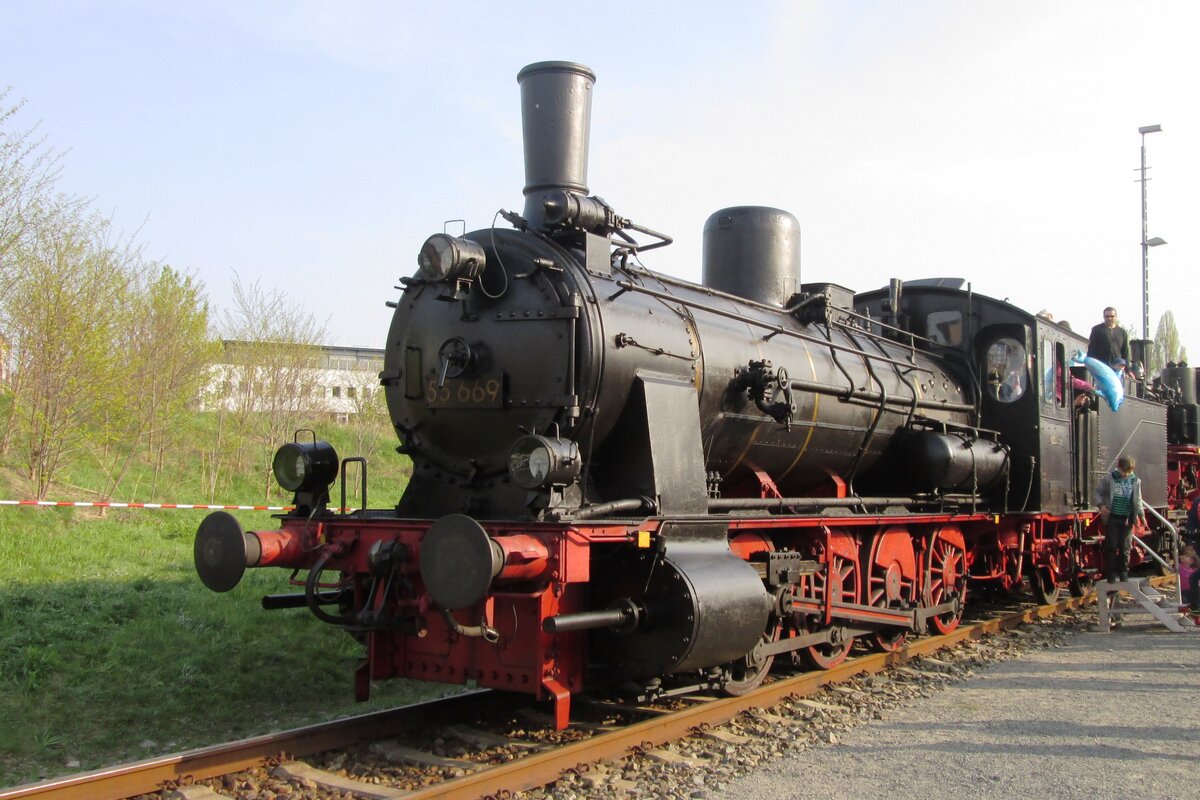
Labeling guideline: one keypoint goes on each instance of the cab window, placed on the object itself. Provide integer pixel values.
(1006, 375)
(1052, 388)
(944, 327)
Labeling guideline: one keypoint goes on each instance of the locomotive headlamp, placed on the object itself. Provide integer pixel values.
(536, 462)
(450, 258)
(305, 466)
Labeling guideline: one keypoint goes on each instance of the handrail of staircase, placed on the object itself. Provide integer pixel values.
(1174, 549)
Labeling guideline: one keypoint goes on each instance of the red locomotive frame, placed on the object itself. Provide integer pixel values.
(892, 574)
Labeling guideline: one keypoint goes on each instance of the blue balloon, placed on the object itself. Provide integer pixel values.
(1107, 381)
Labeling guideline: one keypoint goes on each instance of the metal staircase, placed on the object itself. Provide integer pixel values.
(1145, 599)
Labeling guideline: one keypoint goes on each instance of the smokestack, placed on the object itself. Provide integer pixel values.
(556, 111)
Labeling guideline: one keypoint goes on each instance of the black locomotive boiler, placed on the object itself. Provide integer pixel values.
(621, 477)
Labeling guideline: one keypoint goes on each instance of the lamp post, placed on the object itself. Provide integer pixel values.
(1146, 243)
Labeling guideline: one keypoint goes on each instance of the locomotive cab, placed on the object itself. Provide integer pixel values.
(1062, 439)
(1021, 366)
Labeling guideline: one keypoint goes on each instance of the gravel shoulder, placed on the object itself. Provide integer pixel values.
(1103, 716)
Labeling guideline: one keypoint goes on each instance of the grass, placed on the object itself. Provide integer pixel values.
(112, 650)
(243, 473)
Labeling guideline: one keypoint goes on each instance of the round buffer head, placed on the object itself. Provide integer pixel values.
(458, 561)
(220, 551)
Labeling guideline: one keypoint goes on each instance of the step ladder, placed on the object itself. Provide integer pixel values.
(1145, 600)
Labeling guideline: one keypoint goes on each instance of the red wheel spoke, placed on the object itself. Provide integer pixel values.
(890, 564)
(842, 581)
(947, 554)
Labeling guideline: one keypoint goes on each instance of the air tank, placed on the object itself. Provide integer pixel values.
(753, 252)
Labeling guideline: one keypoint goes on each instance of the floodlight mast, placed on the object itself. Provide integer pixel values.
(1147, 243)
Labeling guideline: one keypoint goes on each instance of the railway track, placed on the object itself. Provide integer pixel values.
(515, 751)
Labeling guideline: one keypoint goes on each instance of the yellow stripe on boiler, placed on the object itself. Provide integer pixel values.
(812, 429)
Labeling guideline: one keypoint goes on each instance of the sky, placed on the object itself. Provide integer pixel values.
(312, 147)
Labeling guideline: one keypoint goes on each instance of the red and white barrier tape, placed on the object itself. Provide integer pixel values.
(70, 504)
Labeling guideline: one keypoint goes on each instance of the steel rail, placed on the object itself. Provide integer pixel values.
(540, 769)
(152, 775)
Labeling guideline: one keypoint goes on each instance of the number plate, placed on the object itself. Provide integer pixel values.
(483, 392)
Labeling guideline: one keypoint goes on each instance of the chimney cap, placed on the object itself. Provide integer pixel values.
(557, 66)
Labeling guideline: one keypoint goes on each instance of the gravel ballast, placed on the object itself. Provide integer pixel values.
(1045, 710)
(1105, 716)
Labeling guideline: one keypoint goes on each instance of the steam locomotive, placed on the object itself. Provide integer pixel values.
(624, 478)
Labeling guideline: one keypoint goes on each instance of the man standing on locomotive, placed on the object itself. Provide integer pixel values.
(1118, 495)
(1109, 342)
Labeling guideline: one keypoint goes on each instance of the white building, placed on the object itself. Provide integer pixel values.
(259, 376)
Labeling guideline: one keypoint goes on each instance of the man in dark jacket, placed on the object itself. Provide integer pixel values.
(1118, 495)
(1109, 342)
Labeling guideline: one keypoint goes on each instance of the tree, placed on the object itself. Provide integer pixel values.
(1167, 347)
(369, 424)
(270, 365)
(105, 349)
(167, 352)
(29, 171)
(69, 280)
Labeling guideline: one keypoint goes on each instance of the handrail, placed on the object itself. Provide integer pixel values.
(775, 328)
(1174, 550)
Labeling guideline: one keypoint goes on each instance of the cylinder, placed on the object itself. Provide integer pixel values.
(753, 252)
(556, 111)
(702, 606)
(1183, 424)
